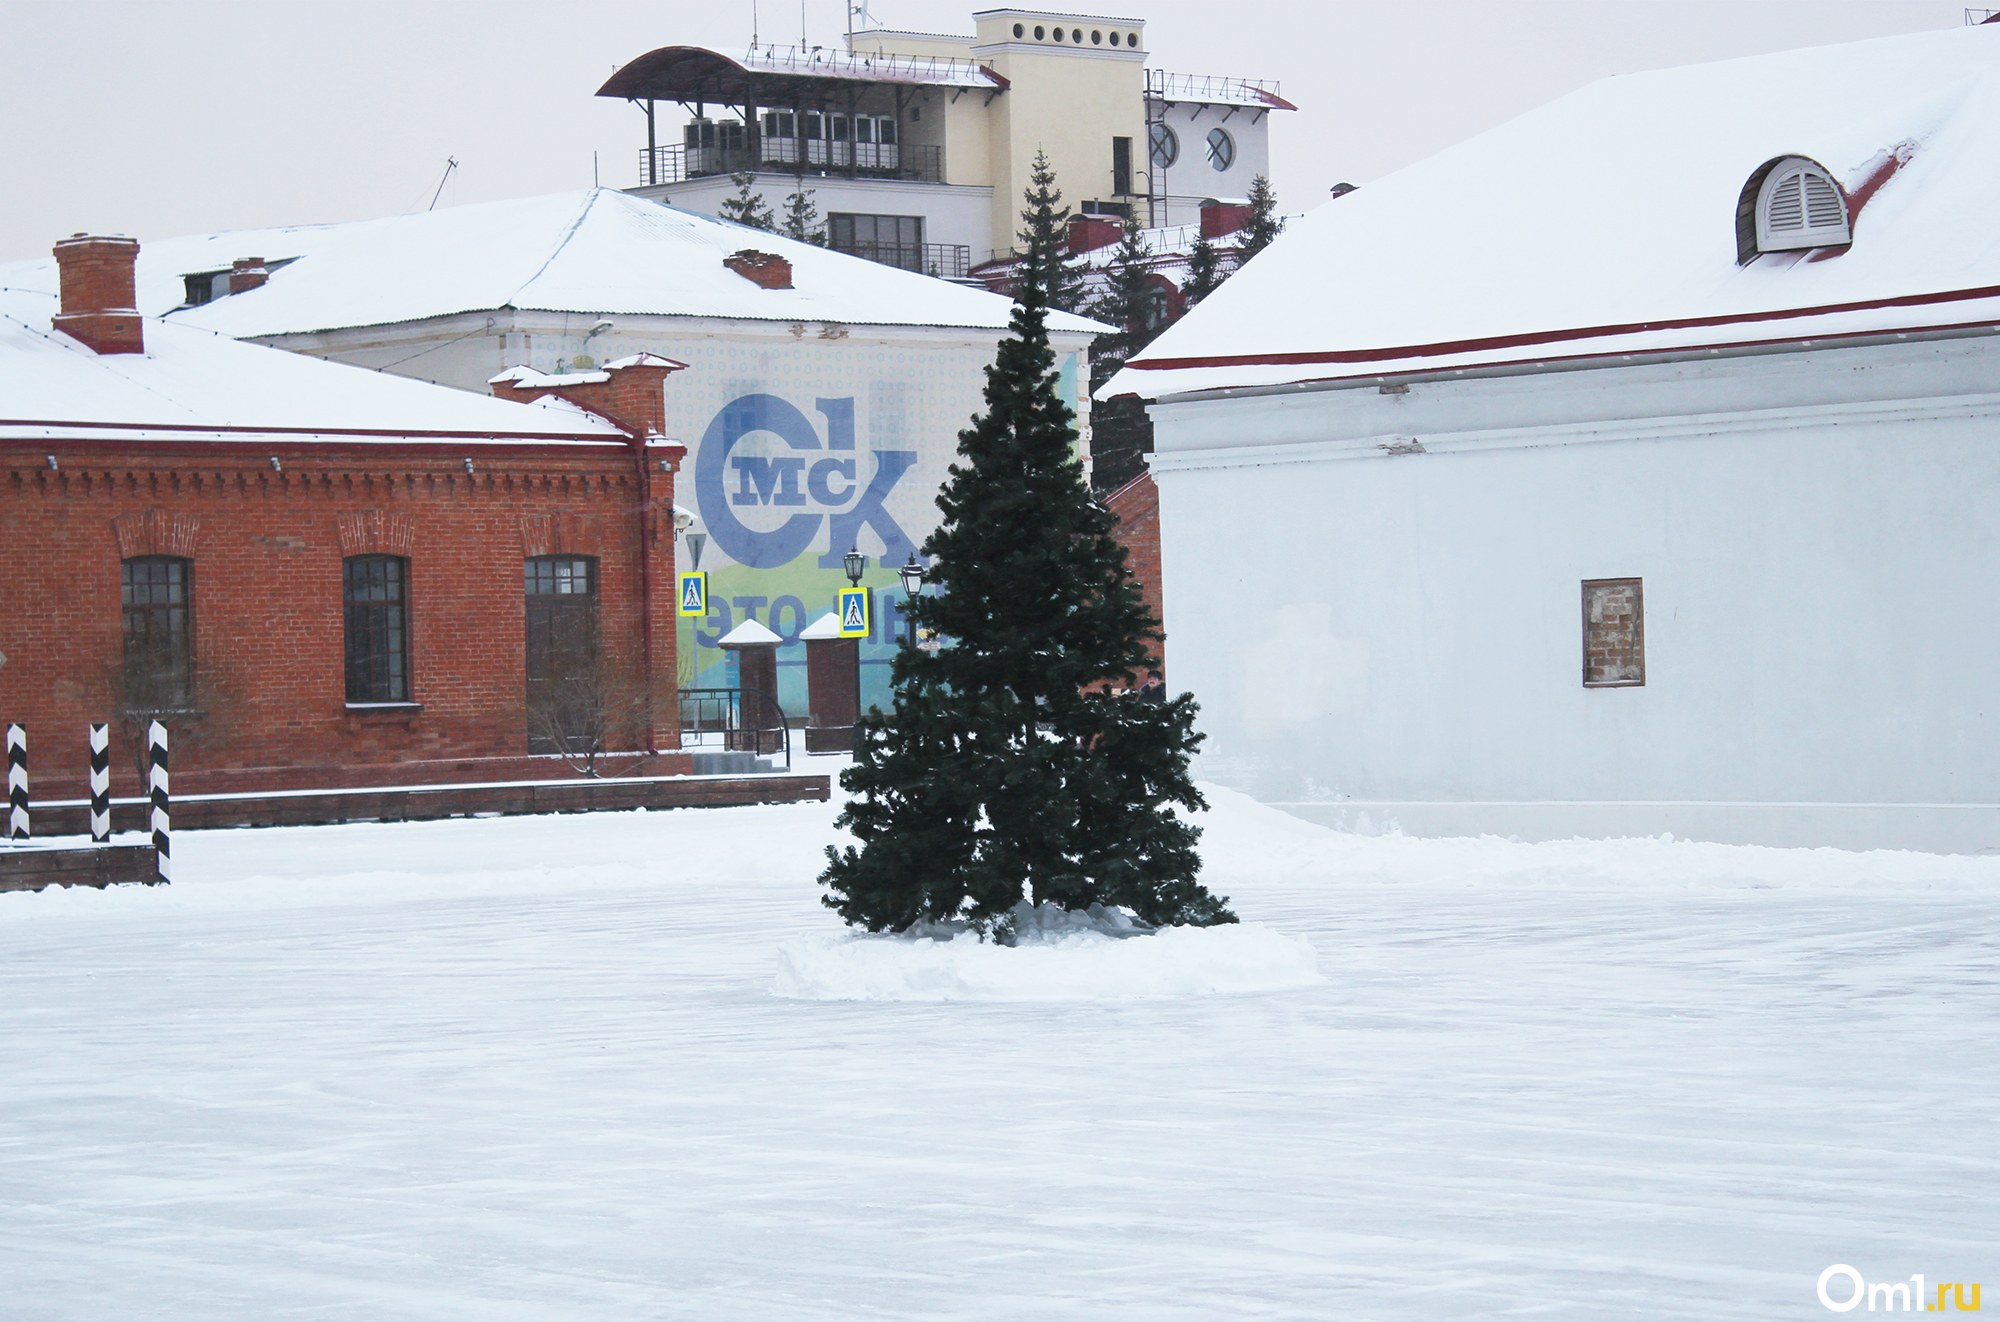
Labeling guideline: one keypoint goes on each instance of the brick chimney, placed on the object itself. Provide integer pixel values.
(99, 291)
(628, 393)
(247, 273)
(1221, 219)
(1089, 233)
(766, 270)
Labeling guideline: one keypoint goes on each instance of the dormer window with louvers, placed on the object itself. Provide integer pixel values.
(1789, 204)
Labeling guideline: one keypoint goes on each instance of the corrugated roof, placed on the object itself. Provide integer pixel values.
(196, 384)
(1604, 223)
(595, 251)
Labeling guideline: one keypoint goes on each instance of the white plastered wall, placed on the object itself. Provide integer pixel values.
(1386, 638)
(1192, 177)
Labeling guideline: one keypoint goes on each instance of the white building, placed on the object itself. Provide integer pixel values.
(820, 410)
(1628, 468)
(917, 146)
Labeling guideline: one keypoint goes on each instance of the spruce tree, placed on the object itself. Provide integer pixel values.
(1130, 302)
(747, 208)
(802, 216)
(1045, 230)
(1005, 769)
(1265, 223)
(1205, 273)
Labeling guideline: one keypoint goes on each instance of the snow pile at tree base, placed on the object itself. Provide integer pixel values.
(1050, 963)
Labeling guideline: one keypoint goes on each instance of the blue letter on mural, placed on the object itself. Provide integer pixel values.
(775, 480)
(890, 465)
(782, 544)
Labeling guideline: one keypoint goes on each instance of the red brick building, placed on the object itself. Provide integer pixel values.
(1137, 505)
(317, 574)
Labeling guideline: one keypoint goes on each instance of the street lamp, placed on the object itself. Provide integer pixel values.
(854, 562)
(912, 575)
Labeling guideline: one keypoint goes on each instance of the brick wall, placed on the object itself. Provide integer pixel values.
(266, 545)
(1137, 505)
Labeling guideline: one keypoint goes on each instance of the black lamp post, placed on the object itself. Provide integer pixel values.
(854, 562)
(912, 575)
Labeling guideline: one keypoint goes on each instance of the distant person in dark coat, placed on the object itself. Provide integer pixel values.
(1154, 689)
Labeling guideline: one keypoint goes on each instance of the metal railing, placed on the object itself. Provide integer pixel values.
(1213, 88)
(748, 721)
(920, 163)
(826, 62)
(949, 261)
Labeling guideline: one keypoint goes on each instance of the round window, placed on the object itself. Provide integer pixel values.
(1131, 39)
(1166, 146)
(1076, 34)
(1038, 34)
(1221, 149)
(1096, 37)
(1018, 29)
(1058, 34)
(1114, 38)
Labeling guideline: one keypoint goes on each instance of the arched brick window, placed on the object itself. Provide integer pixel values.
(375, 594)
(156, 593)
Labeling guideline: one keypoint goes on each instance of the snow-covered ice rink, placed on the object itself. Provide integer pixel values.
(534, 1068)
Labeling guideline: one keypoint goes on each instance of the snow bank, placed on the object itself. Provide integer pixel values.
(1059, 966)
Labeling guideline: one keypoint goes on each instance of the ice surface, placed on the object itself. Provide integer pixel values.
(1050, 964)
(531, 1068)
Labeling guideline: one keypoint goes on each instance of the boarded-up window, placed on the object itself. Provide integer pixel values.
(158, 596)
(1614, 633)
(565, 685)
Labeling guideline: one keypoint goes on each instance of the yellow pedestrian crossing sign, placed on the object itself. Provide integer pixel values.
(854, 612)
(694, 594)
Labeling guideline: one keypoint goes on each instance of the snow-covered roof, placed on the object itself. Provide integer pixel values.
(597, 251)
(1604, 223)
(190, 380)
(768, 73)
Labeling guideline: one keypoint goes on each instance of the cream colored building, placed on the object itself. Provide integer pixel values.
(917, 146)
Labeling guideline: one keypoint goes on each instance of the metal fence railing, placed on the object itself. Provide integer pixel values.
(919, 162)
(1213, 88)
(741, 720)
(948, 260)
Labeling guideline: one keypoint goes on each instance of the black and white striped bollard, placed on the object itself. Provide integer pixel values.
(100, 783)
(156, 758)
(17, 783)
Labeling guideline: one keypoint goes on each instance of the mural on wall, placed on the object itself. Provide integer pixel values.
(797, 452)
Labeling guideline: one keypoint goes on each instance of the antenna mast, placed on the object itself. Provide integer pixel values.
(450, 164)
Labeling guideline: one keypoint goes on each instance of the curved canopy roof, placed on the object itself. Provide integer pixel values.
(779, 75)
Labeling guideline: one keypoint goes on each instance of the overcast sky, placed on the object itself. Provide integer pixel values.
(155, 119)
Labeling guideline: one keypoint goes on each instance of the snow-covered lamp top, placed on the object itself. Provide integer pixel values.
(825, 627)
(750, 634)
